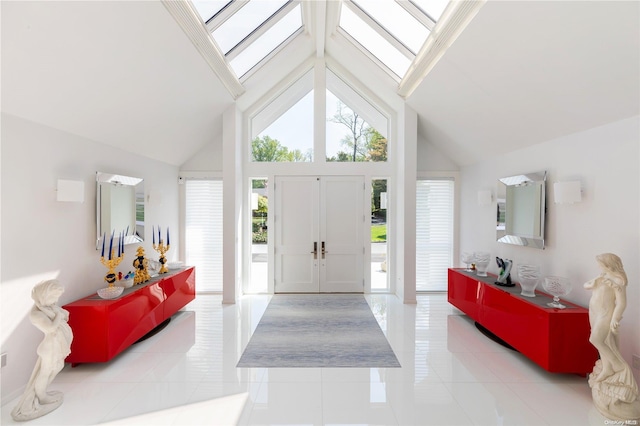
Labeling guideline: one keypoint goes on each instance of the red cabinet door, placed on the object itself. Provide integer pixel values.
(179, 290)
(464, 293)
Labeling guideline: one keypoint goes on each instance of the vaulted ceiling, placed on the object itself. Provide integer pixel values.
(128, 74)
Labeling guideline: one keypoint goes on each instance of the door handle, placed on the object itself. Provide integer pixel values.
(323, 250)
(315, 250)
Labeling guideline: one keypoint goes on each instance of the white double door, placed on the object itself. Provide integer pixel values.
(319, 234)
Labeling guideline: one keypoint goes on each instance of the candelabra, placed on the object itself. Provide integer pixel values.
(111, 264)
(162, 249)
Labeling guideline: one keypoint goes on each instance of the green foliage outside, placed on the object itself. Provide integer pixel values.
(259, 225)
(379, 233)
(265, 149)
(362, 143)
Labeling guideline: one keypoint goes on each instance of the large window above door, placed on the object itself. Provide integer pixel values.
(284, 130)
(350, 138)
(289, 138)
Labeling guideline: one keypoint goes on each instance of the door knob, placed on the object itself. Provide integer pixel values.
(315, 250)
(323, 250)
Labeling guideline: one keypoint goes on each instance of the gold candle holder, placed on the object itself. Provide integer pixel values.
(140, 263)
(162, 249)
(111, 264)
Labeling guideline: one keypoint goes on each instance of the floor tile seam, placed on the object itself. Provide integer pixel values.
(531, 407)
(123, 397)
(396, 411)
(253, 403)
(461, 404)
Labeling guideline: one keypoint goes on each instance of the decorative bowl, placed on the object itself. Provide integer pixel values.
(110, 292)
(175, 265)
(125, 283)
(529, 277)
(482, 259)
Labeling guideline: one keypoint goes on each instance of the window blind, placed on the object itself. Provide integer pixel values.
(203, 238)
(434, 233)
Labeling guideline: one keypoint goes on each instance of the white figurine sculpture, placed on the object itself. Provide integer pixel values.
(52, 351)
(613, 387)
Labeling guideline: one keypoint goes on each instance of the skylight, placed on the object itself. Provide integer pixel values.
(433, 8)
(374, 42)
(242, 23)
(390, 32)
(209, 8)
(397, 21)
(267, 42)
(248, 31)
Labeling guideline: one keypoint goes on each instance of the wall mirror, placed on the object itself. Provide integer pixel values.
(521, 209)
(119, 207)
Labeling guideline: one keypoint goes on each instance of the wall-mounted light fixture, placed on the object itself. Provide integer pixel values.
(567, 192)
(70, 190)
(484, 197)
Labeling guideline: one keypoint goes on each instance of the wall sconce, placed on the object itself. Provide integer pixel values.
(484, 198)
(70, 190)
(567, 192)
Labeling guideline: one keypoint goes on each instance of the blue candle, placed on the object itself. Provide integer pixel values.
(104, 237)
(167, 235)
(111, 244)
(119, 243)
(153, 233)
(123, 235)
(127, 233)
(159, 237)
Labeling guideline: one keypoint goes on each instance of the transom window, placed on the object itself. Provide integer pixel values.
(283, 130)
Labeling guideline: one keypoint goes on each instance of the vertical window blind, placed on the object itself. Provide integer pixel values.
(434, 233)
(203, 238)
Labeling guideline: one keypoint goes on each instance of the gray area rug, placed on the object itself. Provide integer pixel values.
(334, 330)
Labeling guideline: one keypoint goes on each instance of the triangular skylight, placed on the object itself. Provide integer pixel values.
(390, 32)
(248, 31)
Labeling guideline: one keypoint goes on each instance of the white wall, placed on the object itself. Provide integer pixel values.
(606, 160)
(208, 159)
(45, 239)
(431, 159)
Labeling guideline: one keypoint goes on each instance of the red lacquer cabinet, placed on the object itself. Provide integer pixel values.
(555, 339)
(104, 328)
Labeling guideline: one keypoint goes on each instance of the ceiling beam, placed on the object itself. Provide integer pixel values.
(332, 14)
(453, 21)
(314, 16)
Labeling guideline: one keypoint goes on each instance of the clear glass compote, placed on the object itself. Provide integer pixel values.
(467, 259)
(556, 286)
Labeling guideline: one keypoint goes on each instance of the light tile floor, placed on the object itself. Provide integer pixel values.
(451, 375)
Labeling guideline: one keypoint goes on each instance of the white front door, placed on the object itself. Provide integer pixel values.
(319, 234)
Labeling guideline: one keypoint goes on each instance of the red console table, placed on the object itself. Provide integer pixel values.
(555, 339)
(104, 328)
